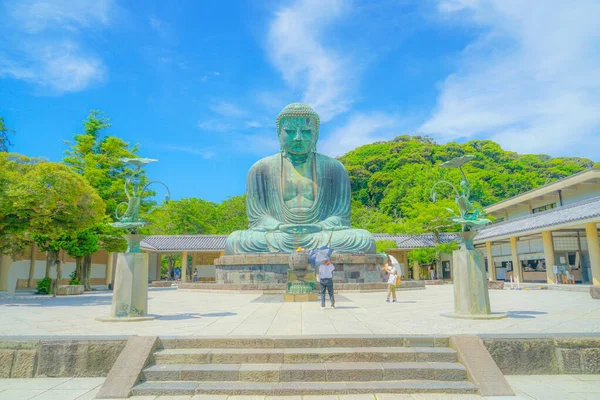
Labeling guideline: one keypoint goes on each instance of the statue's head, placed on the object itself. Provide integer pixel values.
(298, 128)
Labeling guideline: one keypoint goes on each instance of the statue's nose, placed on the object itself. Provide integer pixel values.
(298, 134)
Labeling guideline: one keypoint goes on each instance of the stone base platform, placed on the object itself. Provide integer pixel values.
(496, 285)
(494, 315)
(70, 290)
(273, 268)
(434, 281)
(280, 288)
(162, 283)
(300, 298)
(125, 319)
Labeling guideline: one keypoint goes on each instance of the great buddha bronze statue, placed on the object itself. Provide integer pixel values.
(298, 197)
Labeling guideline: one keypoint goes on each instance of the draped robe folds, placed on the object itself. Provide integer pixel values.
(267, 210)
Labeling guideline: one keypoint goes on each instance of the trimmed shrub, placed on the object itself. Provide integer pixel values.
(43, 286)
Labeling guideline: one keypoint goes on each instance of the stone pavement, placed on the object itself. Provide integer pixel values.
(50, 388)
(526, 387)
(197, 313)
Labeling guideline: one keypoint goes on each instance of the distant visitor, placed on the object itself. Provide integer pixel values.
(298, 197)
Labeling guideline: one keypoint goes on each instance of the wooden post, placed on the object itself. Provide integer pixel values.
(184, 266)
(591, 234)
(549, 256)
(5, 264)
(516, 263)
(490, 258)
(416, 272)
(109, 269)
(32, 265)
(158, 263)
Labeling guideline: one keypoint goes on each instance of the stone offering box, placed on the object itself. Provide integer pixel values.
(273, 268)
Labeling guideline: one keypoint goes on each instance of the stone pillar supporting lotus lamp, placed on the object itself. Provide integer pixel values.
(130, 295)
(471, 297)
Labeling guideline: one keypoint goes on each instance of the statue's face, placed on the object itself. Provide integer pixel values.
(298, 135)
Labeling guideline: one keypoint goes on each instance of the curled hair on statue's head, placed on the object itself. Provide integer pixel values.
(298, 128)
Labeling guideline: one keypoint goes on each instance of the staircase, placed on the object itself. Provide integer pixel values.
(286, 366)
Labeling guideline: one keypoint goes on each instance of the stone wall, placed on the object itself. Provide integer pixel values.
(250, 274)
(545, 355)
(58, 358)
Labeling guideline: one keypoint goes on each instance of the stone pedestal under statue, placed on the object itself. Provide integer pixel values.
(273, 268)
(130, 294)
(471, 297)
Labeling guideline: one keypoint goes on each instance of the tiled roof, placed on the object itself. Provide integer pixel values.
(579, 211)
(184, 243)
(415, 241)
(176, 243)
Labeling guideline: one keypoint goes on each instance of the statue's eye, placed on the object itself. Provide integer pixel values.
(306, 132)
(290, 131)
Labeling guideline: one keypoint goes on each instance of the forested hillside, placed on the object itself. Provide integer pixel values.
(394, 176)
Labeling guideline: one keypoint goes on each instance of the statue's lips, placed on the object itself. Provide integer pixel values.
(300, 144)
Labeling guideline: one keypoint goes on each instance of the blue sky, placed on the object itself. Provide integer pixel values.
(198, 84)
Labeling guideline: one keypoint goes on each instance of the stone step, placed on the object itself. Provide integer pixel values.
(304, 355)
(174, 388)
(317, 341)
(329, 372)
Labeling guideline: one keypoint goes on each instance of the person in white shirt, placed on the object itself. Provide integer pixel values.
(392, 277)
(326, 279)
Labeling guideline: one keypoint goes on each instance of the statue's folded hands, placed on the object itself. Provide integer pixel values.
(302, 228)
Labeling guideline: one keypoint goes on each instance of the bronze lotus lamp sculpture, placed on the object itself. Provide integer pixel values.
(471, 297)
(130, 294)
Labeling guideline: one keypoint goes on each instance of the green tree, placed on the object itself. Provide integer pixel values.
(5, 136)
(364, 217)
(382, 246)
(80, 246)
(189, 216)
(45, 202)
(231, 215)
(96, 157)
(87, 242)
(14, 219)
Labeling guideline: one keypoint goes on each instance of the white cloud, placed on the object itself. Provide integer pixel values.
(295, 46)
(36, 16)
(531, 82)
(207, 154)
(61, 67)
(227, 109)
(214, 125)
(360, 129)
(254, 124)
(44, 46)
